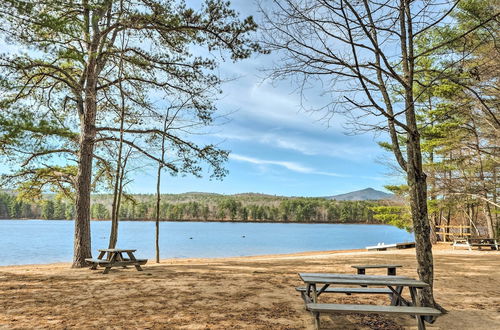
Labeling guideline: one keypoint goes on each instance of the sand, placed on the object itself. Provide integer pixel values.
(238, 293)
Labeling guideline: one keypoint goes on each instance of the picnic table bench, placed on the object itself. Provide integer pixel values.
(476, 242)
(393, 284)
(115, 258)
(391, 269)
(418, 312)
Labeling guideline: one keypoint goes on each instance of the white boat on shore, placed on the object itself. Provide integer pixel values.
(382, 246)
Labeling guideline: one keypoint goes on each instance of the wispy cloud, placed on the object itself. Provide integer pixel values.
(278, 104)
(306, 145)
(292, 166)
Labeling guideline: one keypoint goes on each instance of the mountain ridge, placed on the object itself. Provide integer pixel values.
(358, 195)
(362, 195)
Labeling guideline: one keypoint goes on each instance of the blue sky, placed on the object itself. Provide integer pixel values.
(275, 147)
(278, 149)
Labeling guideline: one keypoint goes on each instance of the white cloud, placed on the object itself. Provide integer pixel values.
(279, 104)
(306, 145)
(292, 166)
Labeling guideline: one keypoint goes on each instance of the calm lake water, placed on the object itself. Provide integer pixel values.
(48, 241)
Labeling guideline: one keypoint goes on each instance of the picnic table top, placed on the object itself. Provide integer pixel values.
(482, 239)
(338, 275)
(116, 250)
(375, 266)
(361, 280)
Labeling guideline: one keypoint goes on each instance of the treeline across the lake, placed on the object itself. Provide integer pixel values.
(49, 208)
(202, 207)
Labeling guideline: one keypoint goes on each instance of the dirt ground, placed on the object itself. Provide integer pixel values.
(238, 293)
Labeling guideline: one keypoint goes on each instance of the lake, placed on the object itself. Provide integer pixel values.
(48, 241)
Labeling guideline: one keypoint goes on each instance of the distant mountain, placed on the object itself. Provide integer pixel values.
(362, 195)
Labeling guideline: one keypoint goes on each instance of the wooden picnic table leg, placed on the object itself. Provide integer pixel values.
(396, 298)
(420, 318)
(307, 295)
(314, 293)
(306, 298)
(323, 289)
(420, 321)
(120, 258)
(111, 258)
(132, 257)
(94, 264)
(362, 271)
(316, 320)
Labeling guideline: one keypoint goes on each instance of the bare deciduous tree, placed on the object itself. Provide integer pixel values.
(363, 56)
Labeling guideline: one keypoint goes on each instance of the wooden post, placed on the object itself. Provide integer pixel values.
(316, 320)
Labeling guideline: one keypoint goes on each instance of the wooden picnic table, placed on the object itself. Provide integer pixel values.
(391, 269)
(394, 284)
(476, 242)
(115, 258)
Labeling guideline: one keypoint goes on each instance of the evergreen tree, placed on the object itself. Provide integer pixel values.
(74, 86)
(48, 209)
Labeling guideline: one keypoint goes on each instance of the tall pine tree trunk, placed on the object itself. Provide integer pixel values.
(82, 243)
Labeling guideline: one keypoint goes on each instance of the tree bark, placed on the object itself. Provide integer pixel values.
(113, 237)
(82, 243)
(415, 175)
(157, 222)
(489, 220)
(421, 226)
(158, 192)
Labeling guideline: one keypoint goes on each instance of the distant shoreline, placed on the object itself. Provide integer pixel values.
(215, 220)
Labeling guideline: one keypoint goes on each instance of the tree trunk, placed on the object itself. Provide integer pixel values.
(157, 224)
(418, 205)
(82, 243)
(489, 220)
(113, 238)
(414, 170)
(158, 194)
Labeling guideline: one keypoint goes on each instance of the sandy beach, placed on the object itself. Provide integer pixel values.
(238, 293)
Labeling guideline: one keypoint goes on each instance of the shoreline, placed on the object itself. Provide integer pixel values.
(439, 249)
(314, 254)
(215, 221)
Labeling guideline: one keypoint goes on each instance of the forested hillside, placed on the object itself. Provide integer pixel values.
(201, 207)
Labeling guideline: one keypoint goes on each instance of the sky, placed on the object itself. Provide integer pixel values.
(275, 147)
